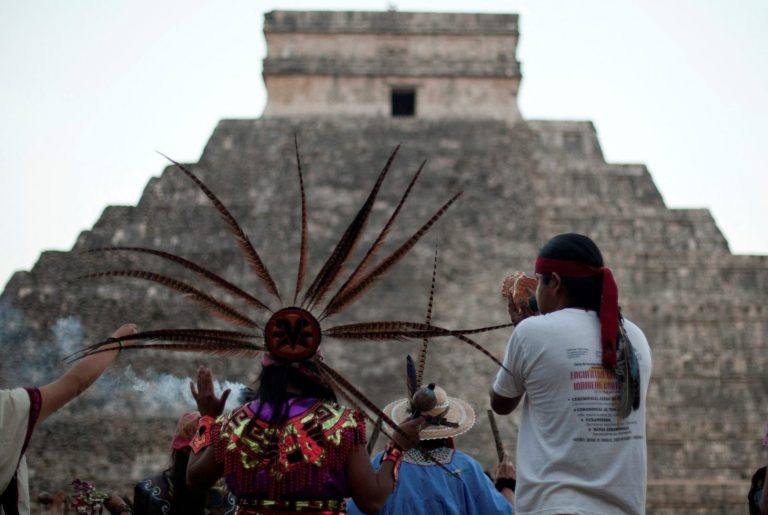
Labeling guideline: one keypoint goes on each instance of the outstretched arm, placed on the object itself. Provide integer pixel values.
(78, 378)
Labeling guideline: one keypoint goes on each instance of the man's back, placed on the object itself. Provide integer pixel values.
(573, 455)
(424, 488)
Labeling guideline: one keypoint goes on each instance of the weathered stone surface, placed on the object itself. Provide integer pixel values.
(348, 63)
(702, 308)
(389, 22)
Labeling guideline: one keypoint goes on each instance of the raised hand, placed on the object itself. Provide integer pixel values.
(205, 397)
(411, 429)
(518, 313)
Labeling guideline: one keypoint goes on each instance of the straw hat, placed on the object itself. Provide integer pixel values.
(457, 414)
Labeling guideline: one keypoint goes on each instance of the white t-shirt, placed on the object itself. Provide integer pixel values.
(573, 455)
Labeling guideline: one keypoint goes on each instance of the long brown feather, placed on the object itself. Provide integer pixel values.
(350, 390)
(374, 434)
(304, 233)
(428, 320)
(398, 330)
(354, 291)
(332, 267)
(418, 329)
(198, 333)
(160, 334)
(205, 333)
(354, 276)
(190, 265)
(217, 307)
(378, 423)
(251, 256)
(411, 383)
(353, 395)
(235, 349)
(197, 336)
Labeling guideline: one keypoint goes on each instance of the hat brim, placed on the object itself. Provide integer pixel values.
(459, 412)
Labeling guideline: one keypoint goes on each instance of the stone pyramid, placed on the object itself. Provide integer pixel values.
(352, 86)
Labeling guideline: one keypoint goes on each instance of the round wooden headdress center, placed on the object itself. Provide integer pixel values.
(292, 334)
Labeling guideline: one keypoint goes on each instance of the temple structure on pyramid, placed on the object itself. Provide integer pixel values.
(352, 86)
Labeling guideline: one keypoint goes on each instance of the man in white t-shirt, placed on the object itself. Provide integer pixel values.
(580, 365)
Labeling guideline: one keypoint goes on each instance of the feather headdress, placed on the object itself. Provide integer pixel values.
(292, 332)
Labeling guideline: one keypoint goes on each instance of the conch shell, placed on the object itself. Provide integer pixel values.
(519, 289)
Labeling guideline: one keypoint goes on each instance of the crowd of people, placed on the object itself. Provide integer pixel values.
(578, 368)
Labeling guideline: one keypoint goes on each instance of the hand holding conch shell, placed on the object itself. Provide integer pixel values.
(520, 292)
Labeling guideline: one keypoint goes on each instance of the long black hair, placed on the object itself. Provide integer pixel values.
(274, 380)
(184, 500)
(584, 292)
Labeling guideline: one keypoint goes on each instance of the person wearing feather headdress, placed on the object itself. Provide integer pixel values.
(292, 448)
(21, 409)
(584, 370)
(436, 478)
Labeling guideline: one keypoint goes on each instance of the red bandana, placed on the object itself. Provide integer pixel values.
(609, 303)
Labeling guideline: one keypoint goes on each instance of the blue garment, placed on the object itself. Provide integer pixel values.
(423, 488)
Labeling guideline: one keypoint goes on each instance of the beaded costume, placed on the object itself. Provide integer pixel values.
(302, 457)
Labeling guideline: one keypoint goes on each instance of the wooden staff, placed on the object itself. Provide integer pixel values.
(374, 436)
(496, 436)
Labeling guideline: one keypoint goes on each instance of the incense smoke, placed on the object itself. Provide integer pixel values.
(161, 394)
(121, 390)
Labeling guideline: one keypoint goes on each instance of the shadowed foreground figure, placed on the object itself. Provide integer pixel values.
(21, 409)
(584, 371)
(167, 494)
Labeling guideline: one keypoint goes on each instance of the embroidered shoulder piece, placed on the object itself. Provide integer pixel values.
(304, 439)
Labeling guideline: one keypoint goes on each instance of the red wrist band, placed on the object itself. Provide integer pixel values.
(394, 454)
(204, 437)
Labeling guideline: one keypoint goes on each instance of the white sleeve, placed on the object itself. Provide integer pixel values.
(512, 384)
(14, 416)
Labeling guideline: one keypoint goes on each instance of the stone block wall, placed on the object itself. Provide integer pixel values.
(701, 307)
(329, 76)
(337, 63)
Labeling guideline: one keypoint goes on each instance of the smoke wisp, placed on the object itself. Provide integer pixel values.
(120, 391)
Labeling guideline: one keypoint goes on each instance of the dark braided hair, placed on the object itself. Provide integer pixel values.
(584, 292)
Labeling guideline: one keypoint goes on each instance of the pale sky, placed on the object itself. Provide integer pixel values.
(89, 89)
